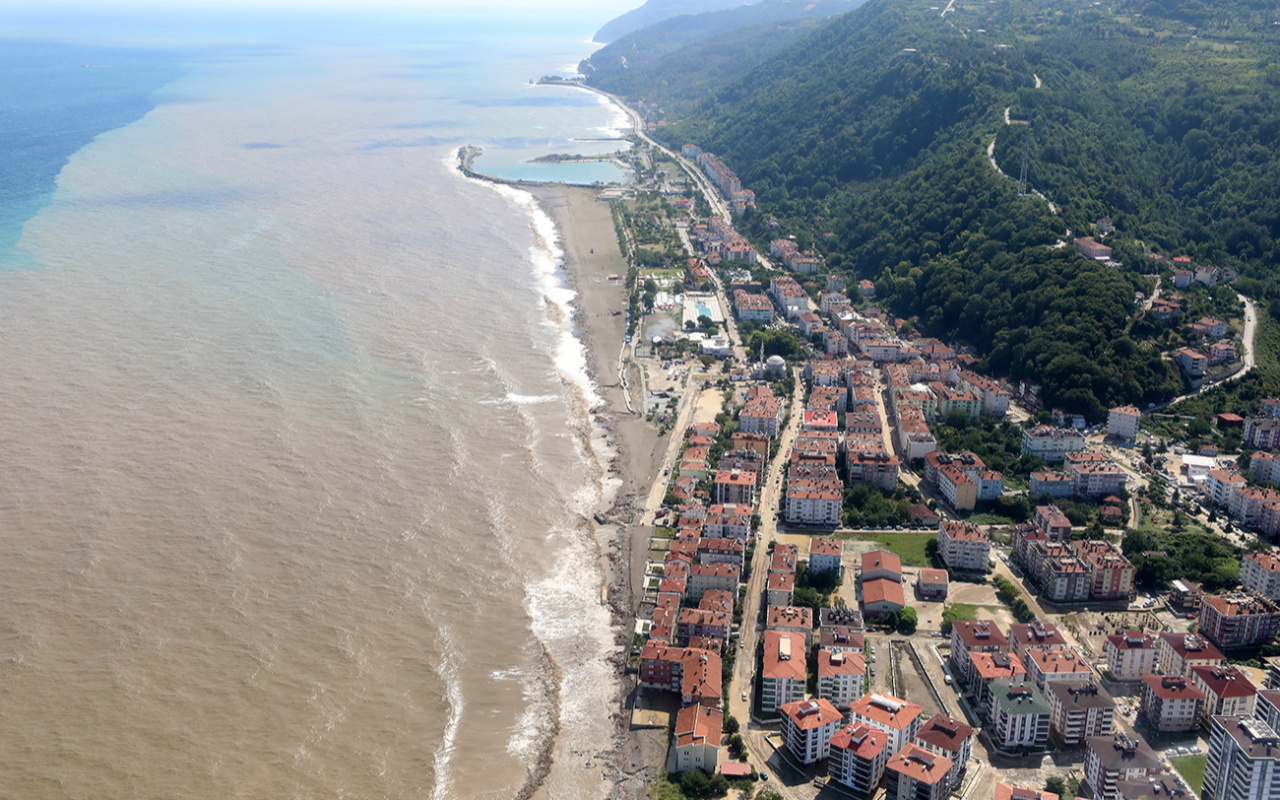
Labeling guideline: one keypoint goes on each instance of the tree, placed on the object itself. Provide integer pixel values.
(731, 724)
(1055, 785)
(704, 321)
(907, 620)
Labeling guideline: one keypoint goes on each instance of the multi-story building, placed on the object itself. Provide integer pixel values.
(1051, 445)
(1260, 573)
(690, 672)
(1177, 653)
(985, 669)
(1221, 484)
(1021, 715)
(702, 622)
(1064, 665)
(951, 739)
(1239, 620)
(914, 773)
(1058, 485)
(1227, 693)
(1035, 634)
(858, 755)
(708, 577)
(1171, 703)
(1062, 576)
(1266, 707)
(1114, 760)
(825, 555)
(1262, 433)
(1054, 523)
(753, 307)
(963, 545)
(807, 728)
(697, 738)
(1122, 422)
(782, 677)
(780, 588)
(1131, 655)
(900, 719)
(932, 584)
(841, 676)
(735, 486)
(1079, 711)
(1192, 363)
(973, 636)
(1244, 760)
(1110, 573)
(790, 619)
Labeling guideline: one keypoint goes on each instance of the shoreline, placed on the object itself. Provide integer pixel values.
(590, 245)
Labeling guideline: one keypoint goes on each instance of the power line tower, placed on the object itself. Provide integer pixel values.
(1026, 161)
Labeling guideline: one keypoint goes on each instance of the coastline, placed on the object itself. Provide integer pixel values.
(591, 253)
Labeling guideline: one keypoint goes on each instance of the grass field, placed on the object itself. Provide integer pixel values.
(910, 547)
(1192, 768)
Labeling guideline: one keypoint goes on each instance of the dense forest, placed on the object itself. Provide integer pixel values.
(867, 140)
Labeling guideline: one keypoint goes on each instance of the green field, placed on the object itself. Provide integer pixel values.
(1192, 768)
(910, 547)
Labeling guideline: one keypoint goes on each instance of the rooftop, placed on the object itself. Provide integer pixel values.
(919, 764)
(862, 740)
(945, 733)
(886, 710)
(810, 714)
(1123, 752)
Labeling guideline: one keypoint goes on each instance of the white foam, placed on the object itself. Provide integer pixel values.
(447, 670)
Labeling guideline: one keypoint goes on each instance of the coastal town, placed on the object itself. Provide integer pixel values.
(874, 570)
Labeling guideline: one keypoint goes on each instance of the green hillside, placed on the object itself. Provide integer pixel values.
(868, 139)
(681, 57)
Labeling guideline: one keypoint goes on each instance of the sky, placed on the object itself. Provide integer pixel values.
(171, 21)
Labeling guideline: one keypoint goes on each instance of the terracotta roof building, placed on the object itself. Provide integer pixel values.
(1239, 620)
(858, 755)
(899, 718)
(1227, 693)
(918, 774)
(807, 728)
(951, 739)
(782, 677)
(1131, 655)
(697, 738)
(1171, 703)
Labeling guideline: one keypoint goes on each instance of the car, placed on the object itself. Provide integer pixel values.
(744, 696)
(873, 672)
(873, 658)
(764, 776)
(946, 679)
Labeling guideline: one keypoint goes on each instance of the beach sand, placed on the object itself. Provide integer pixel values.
(591, 254)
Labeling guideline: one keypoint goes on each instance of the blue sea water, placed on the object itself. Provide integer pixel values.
(54, 99)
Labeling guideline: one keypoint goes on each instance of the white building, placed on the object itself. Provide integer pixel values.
(1260, 572)
(1131, 656)
(697, 738)
(857, 758)
(841, 676)
(1051, 445)
(899, 718)
(964, 546)
(1122, 422)
(1244, 761)
(807, 728)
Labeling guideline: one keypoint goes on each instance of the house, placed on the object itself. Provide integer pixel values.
(866, 288)
(1053, 522)
(807, 728)
(1244, 760)
(1171, 703)
(782, 677)
(932, 584)
(1131, 655)
(1054, 484)
(1227, 693)
(697, 738)
(880, 564)
(951, 739)
(1122, 422)
(1182, 278)
(841, 676)
(1021, 716)
(916, 773)
(1238, 620)
(900, 719)
(1079, 710)
(882, 596)
(780, 588)
(963, 545)
(1112, 760)
(1177, 653)
(790, 619)
(858, 755)
(1089, 248)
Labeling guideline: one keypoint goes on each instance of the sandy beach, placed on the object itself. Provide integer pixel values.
(591, 255)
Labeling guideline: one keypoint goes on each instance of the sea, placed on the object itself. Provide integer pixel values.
(297, 451)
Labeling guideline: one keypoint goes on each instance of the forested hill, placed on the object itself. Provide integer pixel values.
(655, 11)
(868, 140)
(709, 48)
